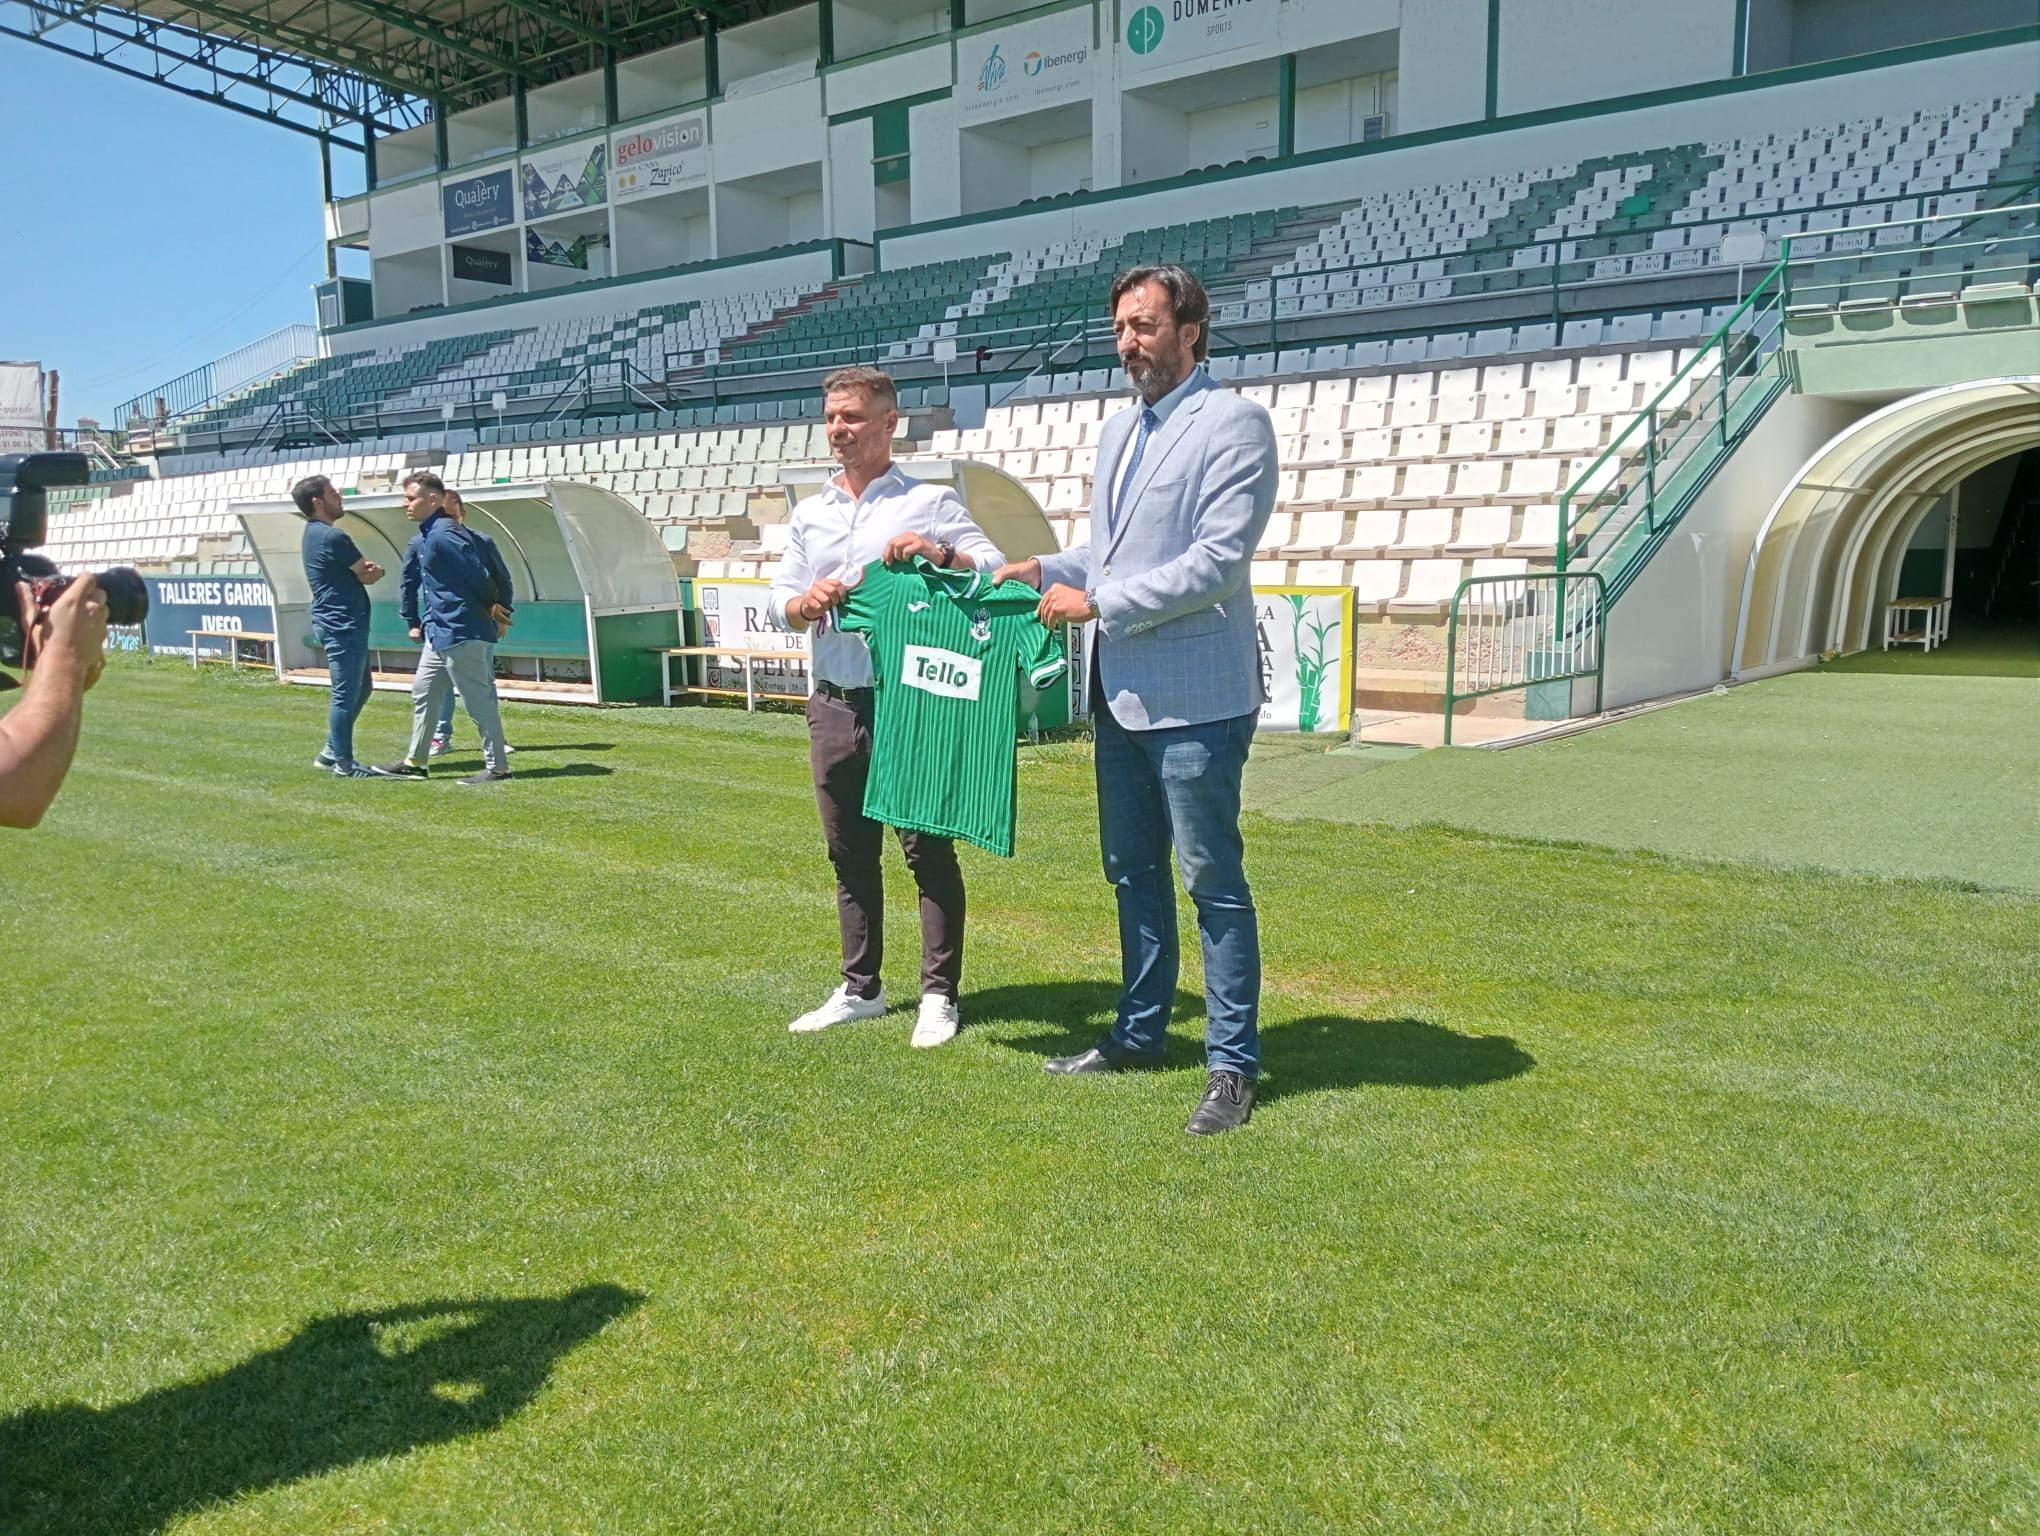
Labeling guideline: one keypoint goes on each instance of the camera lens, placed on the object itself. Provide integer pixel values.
(127, 595)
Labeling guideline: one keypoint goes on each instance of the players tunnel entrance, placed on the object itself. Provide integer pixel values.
(1916, 518)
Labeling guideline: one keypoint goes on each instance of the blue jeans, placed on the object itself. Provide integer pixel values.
(1180, 785)
(347, 665)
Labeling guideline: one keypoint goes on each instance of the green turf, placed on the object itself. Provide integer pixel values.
(2007, 651)
(1906, 775)
(396, 1157)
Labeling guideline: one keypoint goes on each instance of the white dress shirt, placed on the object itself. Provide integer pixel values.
(834, 535)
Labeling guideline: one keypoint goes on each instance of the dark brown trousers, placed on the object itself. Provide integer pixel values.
(839, 748)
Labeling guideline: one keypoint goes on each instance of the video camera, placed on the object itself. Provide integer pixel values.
(25, 517)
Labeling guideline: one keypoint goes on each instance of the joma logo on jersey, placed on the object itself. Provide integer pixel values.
(943, 673)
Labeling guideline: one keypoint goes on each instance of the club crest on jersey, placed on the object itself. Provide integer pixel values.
(946, 674)
(981, 626)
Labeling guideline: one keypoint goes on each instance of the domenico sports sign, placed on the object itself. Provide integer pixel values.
(1025, 68)
(1160, 34)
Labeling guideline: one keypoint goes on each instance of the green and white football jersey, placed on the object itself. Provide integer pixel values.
(947, 652)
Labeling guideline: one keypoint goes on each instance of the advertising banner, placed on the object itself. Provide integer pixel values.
(659, 157)
(1306, 638)
(483, 266)
(21, 408)
(560, 180)
(180, 604)
(1164, 35)
(731, 611)
(1040, 63)
(477, 203)
(558, 253)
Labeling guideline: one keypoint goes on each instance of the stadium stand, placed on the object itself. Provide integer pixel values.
(1381, 263)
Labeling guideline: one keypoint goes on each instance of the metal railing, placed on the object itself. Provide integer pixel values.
(1506, 633)
(1611, 516)
(1965, 253)
(222, 376)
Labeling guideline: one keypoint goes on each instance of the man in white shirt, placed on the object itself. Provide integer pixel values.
(871, 511)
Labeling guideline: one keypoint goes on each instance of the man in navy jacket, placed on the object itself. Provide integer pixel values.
(464, 588)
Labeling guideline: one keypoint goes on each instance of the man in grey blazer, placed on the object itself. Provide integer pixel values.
(1182, 490)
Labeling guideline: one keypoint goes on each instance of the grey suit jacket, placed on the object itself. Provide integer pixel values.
(1175, 614)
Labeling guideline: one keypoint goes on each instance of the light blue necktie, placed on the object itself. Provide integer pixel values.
(1147, 424)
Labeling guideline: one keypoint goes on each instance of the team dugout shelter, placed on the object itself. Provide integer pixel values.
(597, 596)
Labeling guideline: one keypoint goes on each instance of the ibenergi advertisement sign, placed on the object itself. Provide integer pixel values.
(1024, 68)
(666, 156)
(476, 203)
(1160, 36)
(1306, 640)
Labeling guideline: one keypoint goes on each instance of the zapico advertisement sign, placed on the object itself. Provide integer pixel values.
(659, 157)
(1160, 35)
(478, 203)
(180, 604)
(1025, 68)
(1306, 641)
(731, 611)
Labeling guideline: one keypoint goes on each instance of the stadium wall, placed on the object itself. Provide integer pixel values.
(1674, 629)
(1926, 77)
(1060, 99)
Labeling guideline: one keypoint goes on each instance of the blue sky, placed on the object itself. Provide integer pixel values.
(144, 233)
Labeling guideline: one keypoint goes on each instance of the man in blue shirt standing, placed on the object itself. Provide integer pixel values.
(465, 593)
(340, 576)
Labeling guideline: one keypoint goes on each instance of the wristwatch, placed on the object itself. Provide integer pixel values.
(947, 551)
(1090, 604)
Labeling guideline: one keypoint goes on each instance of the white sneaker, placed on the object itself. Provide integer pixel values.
(937, 1024)
(841, 1008)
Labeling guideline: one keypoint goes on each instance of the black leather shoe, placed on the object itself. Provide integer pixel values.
(1102, 1057)
(1228, 1104)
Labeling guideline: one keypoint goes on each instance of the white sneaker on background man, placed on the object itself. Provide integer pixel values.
(938, 1022)
(841, 1008)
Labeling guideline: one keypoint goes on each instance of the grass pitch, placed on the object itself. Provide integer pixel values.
(403, 1157)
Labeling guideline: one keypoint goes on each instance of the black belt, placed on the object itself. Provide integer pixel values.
(843, 695)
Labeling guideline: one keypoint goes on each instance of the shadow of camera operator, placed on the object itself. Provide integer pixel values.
(1309, 1055)
(349, 1388)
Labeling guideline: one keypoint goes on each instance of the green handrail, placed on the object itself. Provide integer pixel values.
(1567, 639)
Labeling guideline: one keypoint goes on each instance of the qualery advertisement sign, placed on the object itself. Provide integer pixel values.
(476, 203)
(479, 265)
(1163, 35)
(561, 180)
(1037, 64)
(659, 157)
(1306, 640)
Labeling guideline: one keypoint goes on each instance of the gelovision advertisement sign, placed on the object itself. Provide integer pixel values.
(659, 157)
(478, 203)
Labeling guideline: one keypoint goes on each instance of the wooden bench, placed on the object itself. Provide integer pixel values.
(748, 659)
(1932, 629)
(233, 637)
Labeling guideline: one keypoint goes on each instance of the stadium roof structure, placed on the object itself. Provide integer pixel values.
(349, 71)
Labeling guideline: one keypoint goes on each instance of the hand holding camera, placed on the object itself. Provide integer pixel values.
(69, 632)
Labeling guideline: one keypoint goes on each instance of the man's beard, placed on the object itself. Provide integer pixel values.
(1155, 383)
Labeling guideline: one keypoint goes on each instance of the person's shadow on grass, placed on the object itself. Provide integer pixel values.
(356, 1387)
(1307, 1055)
